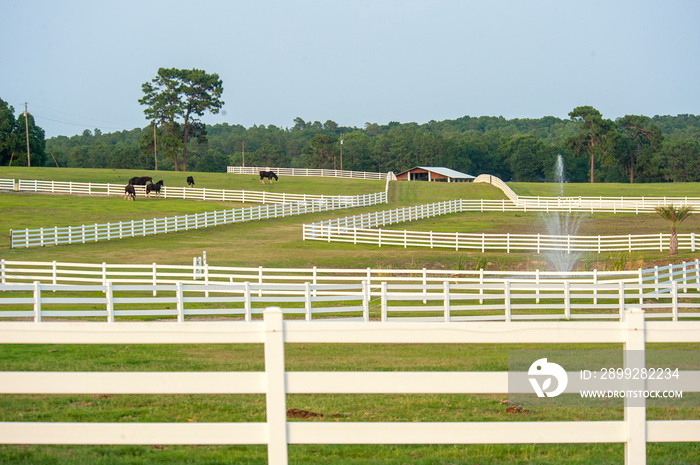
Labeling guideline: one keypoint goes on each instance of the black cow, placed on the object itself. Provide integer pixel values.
(190, 181)
(140, 181)
(129, 191)
(154, 188)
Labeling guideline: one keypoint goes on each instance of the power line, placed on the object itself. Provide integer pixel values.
(73, 116)
(76, 124)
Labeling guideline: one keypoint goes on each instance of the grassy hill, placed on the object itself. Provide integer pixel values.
(278, 243)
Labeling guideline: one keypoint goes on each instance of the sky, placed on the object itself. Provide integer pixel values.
(81, 64)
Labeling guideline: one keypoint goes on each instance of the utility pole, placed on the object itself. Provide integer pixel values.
(26, 130)
(155, 154)
(341, 152)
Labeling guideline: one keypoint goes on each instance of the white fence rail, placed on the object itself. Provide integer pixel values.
(135, 228)
(255, 170)
(497, 182)
(669, 292)
(588, 204)
(275, 382)
(515, 202)
(187, 193)
(16, 272)
(359, 229)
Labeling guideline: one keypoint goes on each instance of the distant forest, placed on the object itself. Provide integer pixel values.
(630, 149)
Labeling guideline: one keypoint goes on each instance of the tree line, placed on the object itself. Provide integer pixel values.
(635, 148)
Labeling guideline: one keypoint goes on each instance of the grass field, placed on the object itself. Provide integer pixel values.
(277, 243)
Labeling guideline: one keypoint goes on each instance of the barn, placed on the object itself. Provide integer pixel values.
(431, 173)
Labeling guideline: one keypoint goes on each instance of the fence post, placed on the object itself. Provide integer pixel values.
(37, 301)
(635, 415)
(641, 287)
(3, 271)
(246, 301)
(276, 403)
(446, 285)
(365, 300)
(656, 281)
(315, 279)
(425, 283)
(674, 299)
(567, 300)
(537, 284)
(206, 279)
(481, 285)
(307, 300)
(622, 299)
(110, 303)
(260, 280)
(180, 303)
(384, 310)
(506, 293)
(155, 279)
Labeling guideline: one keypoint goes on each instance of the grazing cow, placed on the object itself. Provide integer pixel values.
(154, 188)
(269, 175)
(190, 181)
(140, 181)
(129, 191)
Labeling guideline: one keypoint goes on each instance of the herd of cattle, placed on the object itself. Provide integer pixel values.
(130, 191)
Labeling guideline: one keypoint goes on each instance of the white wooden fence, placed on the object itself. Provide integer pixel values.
(54, 272)
(187, 193)
(255, 170)
(360, 229)
(671, 293)
(498, 182)
(135, 228)
(633, 332)
(586, 204)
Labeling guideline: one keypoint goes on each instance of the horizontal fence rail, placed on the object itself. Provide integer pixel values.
(497, 182)
(186, 193)
(360, 229)
(514, 202)
(135, 228)
(668, 292)
(255, 170)
(586, 204)
(633, 332)
(13, 271)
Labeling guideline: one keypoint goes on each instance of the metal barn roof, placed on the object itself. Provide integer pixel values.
(450, 173)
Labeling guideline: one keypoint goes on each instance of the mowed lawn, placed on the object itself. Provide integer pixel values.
(277, 243)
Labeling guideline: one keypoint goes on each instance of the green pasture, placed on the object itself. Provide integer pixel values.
(277, 243)
(351, 408)
(287, 184)
(678, 189)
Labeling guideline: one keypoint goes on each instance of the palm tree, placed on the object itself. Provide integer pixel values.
(674, 216)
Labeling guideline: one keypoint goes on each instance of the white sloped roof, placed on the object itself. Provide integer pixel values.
(447, 172)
